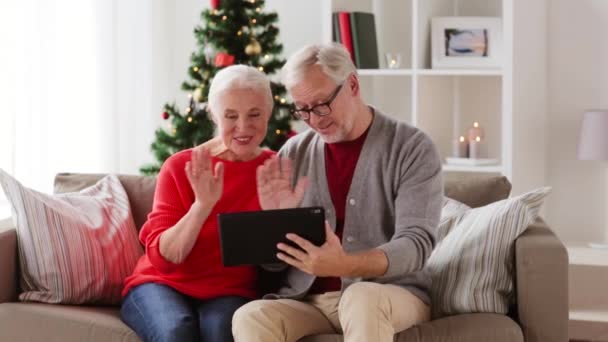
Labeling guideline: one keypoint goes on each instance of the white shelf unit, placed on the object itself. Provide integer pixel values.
(414, 92)
(459, 72)
(480, 168)
(385, 72)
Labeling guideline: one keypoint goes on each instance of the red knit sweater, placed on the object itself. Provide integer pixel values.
(201, 275)
(340, 163)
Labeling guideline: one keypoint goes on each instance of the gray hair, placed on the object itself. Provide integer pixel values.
(334, 59)
(238, 77)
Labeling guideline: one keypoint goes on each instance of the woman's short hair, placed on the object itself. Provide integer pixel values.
(238, 77)
(334, 59)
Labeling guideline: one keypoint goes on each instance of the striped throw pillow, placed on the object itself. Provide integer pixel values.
(472, 266)
(74, 248)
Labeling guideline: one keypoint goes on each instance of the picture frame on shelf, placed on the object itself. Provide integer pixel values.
(466, 42)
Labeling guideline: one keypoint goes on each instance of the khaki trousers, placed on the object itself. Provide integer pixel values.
(364, 312)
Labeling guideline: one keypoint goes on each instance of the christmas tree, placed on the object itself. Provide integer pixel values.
(232, 32)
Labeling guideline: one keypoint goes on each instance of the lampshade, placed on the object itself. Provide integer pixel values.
(593, 139)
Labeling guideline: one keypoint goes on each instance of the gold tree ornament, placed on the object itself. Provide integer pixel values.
(198, 94)
(253, 48)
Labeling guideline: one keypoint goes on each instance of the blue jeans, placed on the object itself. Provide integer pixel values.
(159, 313)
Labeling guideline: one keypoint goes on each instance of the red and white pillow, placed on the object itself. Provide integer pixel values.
(74, 248)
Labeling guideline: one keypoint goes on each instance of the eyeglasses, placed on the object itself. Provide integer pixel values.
(321, 109)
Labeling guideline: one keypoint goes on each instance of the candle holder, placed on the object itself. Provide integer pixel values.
(475, 131)
(477, 148)
(460, 148)
(393, 60)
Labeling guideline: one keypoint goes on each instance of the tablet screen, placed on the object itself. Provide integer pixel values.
(251, 238)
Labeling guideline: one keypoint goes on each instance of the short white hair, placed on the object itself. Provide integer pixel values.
(238, 77)
(333, 58)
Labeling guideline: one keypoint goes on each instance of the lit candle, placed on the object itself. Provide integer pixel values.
(477, 148)
(460, 148)
(393, 60)
(475, 131)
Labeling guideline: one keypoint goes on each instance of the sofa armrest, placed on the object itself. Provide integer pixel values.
(542, 284)
(8, 262)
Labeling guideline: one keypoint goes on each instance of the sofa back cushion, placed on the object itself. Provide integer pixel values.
(140, 190)
(476, 190)
(473, 190)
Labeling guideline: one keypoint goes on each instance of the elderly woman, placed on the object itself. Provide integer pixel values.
(179, 290)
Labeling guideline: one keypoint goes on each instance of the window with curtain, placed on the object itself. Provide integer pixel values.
(82, 84)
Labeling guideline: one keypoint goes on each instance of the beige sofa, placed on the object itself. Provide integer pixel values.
(541, 264)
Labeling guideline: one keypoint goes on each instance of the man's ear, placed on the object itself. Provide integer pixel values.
(353, 84)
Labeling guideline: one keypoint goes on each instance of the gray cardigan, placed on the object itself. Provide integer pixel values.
(394, 202)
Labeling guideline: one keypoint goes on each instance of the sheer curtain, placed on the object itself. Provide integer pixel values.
(83, 82)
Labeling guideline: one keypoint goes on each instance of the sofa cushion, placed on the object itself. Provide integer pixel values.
(461, 328)
(472, 190)
(140, 190)
(476, 190)
(76, 247)
(82, 323)
(472, 267)
(59, 323)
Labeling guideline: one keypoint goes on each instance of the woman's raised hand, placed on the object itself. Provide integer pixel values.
(206, 182)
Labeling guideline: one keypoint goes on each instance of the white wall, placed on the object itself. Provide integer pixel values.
(577, 80)
(529, 95)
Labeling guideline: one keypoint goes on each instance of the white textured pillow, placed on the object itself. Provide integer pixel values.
(472, 266)
(76, 247)
(451, 212)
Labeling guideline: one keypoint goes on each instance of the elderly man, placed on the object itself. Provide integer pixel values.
(380, 183)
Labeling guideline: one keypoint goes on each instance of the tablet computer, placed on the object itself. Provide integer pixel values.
(251, 237)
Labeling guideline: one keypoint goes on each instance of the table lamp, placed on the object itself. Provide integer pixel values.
(593, 145)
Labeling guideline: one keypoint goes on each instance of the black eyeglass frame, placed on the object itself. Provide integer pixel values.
(296, 112)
